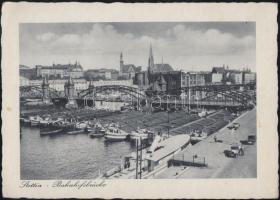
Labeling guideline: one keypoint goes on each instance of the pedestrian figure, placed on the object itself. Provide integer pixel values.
(241, 151)
(215, 138)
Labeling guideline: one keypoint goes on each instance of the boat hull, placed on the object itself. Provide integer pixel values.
(52, 132)
(35, 123)
(74, 132)
(115, 137)
(96, 135)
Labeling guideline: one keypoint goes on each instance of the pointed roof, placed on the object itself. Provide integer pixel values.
(162, 80)
(163, 67)
(70, 81)
(151, 50)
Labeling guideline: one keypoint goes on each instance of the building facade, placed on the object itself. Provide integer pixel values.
(101, 74)
(249, 77)
(60, 71)
(128, 71)
(159, 78)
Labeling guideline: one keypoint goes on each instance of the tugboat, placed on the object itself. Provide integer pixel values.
(114, 133)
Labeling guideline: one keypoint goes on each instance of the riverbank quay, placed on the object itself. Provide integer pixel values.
(211, 152)
(156, 122)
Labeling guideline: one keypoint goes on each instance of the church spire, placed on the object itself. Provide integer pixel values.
(151, 60)
(151, 50)
(121, 63)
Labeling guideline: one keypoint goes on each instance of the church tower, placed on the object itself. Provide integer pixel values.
(151, 61)
(121, 63)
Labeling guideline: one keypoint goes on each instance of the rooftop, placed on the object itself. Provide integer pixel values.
(164, 67)
(170, 145)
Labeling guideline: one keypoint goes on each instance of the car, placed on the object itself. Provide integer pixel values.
(230, 127)
(251, 139)
(234, 151)
(236, 125)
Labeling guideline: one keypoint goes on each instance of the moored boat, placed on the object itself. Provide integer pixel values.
(26, 120)
(75, 131)
(140, 133)
(51, 132)
(82, 125)
(45, 121)
(35, 121)
(98, 131)
(114, 133)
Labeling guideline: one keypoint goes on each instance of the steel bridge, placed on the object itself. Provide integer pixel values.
(214, 95)
(36, 92)
(132, 91)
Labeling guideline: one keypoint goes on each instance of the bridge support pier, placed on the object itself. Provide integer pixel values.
(46, 93)
(69, 90)
(92, 93)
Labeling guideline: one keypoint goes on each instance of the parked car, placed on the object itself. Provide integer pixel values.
(235, 150)
(251, 139)
(230, 127)
(236, 125)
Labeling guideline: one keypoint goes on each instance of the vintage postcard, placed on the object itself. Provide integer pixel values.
(139, 100)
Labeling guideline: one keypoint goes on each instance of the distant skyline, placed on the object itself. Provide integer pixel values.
(184, 45)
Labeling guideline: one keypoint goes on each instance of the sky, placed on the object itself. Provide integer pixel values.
(184, 45)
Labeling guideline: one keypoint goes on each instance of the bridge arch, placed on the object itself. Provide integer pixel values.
(132, 91)
(36, 91)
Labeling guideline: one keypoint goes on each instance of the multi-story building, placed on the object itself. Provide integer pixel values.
(237, 78)
(216, 77)
(128, 71)
(113, 82)
(141, 79)
(168, 82)
(58, 84)
(60, 71)
(249, 77)
(101, 74)
(226, 75)
(197, 78)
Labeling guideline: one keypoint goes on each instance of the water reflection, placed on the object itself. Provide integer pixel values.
(67, 156)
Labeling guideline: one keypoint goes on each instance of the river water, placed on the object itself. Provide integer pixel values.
(67, 156)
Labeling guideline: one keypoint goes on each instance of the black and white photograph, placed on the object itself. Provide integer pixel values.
(142, 100)
(139, 100)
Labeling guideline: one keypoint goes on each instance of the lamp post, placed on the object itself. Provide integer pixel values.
(167, 108)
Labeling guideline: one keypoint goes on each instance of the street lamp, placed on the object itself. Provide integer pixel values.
(167, 108)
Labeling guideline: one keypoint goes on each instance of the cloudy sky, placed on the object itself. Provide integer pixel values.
(187, 46)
